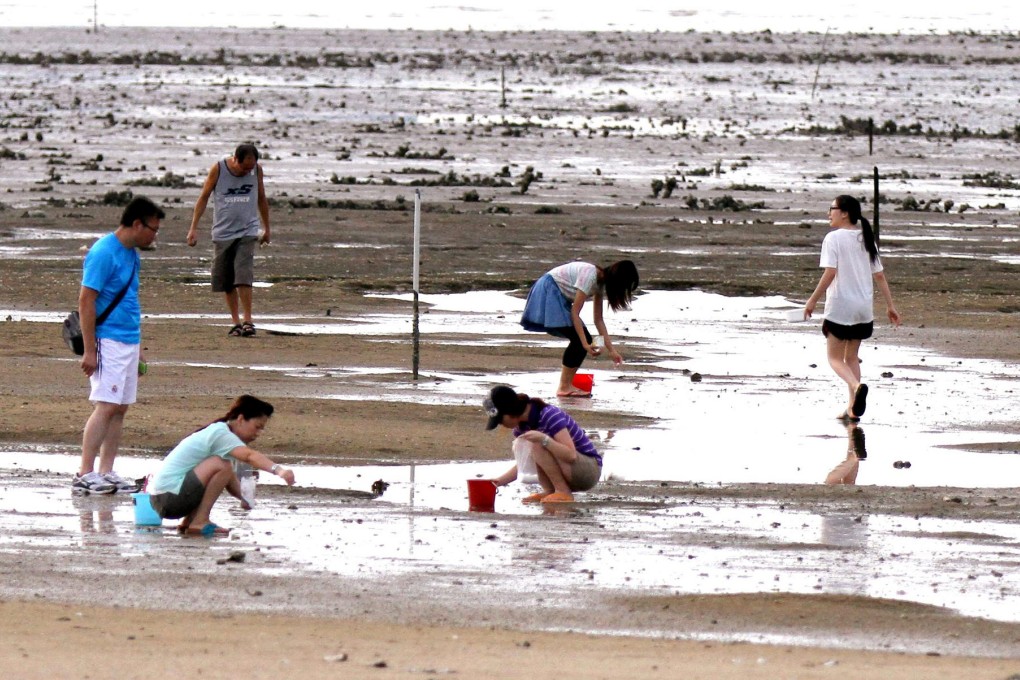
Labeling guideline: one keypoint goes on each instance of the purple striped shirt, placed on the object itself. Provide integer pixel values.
(550, 420)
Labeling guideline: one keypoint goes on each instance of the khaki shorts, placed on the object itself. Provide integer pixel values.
(233, 263)
(584, 473)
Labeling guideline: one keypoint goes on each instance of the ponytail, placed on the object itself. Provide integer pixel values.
(245, 406)
(852, 207)
(870, 240)
(248, 407)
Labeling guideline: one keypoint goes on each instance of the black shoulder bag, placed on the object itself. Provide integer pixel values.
(72, 324)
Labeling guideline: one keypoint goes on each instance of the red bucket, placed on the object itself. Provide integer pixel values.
(481, 495)
(584, 381)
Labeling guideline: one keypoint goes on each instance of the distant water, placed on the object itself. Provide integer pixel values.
(872, 16)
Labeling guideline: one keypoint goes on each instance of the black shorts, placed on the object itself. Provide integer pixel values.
(859, 331)
(177, 505)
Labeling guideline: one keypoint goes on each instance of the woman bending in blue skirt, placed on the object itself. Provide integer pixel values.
(554, 307)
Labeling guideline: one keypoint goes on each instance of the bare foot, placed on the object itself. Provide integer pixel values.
(574, 393)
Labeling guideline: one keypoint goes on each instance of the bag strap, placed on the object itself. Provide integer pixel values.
(120, 296)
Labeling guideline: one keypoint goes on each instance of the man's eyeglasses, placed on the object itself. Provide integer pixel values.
(154, 230)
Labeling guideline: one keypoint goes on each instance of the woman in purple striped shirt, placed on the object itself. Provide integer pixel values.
(565, 458)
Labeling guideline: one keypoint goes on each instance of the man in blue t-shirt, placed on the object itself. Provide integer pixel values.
(113, 348)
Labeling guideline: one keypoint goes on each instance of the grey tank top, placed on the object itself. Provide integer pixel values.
(235, 205)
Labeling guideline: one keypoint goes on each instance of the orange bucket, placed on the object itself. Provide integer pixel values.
(481, 495)
(584, 381)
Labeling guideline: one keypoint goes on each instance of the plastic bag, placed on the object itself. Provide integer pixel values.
(527, 470)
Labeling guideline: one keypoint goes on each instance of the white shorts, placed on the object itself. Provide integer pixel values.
(116, 379)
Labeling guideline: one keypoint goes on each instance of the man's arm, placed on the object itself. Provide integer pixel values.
(203, 202)
(87, 313)
(263, 207)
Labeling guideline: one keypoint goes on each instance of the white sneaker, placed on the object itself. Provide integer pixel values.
(91, 482)
(121, 484)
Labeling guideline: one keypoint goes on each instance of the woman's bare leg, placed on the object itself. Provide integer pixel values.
(215, 473)
(844, 361)
(554, 469)
(566, 385)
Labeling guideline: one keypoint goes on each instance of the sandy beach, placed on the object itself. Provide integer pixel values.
(757, 138)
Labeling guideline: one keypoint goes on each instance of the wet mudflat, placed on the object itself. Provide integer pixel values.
(715, 522)
(674, 517)
(623, 543)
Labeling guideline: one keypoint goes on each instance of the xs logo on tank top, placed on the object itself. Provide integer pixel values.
(242, 190)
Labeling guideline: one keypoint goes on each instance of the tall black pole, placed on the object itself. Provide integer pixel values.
(874, 222)
(415, 337)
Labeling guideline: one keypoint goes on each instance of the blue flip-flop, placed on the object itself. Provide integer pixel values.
(209, 529)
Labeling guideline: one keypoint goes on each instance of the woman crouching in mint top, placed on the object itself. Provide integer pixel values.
(565, 458)
(197, 470)
(554, 306)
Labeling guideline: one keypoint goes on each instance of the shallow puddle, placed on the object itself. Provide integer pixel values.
(646, 544)
(762, 411)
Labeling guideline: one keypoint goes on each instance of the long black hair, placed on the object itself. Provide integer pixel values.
(521, 403)
(621, 279)
(852, 207)
(248, 407)
(513, 403)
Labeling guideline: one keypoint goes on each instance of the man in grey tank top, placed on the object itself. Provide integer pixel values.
(239, 201)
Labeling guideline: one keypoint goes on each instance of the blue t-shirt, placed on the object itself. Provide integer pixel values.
(213, 440)
(550, 420)
(108, 268)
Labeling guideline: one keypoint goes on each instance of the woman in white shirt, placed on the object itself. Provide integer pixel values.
(554, 307)
(850, 261)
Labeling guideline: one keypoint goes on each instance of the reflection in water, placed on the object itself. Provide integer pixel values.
(847, 533)
(846, 471)
(97, 521)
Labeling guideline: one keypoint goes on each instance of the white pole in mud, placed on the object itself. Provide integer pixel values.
(414, 283)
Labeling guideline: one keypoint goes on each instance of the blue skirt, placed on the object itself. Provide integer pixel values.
(547, 310)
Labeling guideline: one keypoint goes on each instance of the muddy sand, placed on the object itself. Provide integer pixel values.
(352, 123)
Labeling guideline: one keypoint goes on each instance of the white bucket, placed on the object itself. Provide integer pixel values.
(795, 315)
